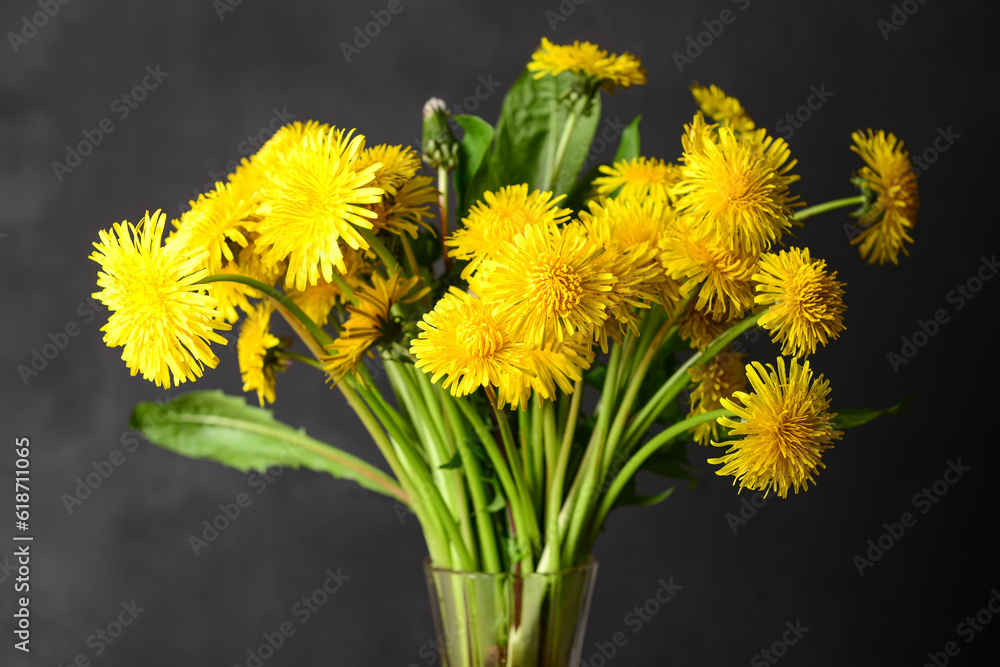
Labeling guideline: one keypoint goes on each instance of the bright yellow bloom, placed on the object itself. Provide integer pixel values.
(735, 190)
(888, 173)
(408, 209)
(700, 328)
(720, 276)
(786, 426)
(268, 159)
(370, 322)
(259, 353)
(722, 108)
(216, 222)
(639, 179)
(232, 295)
(698, 133)
(463, 342)
(609, 71)
(318, 300)
(626, 226)
(552, 367)
(806, 304)
(314, 199)
(720, 378)
(399, 165)
(551, 282)
(161, 317)
(498, 219)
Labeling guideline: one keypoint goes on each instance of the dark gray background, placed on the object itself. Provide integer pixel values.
(792, 561)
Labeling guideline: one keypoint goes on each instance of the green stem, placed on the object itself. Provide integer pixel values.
(474, 475)
(502, 467)
(640, 457)
(669, 390)
(344, 287)
(831, 205)
(321, 336)
(556, 164)
(391, 265)
(443, 179)
(303, 358)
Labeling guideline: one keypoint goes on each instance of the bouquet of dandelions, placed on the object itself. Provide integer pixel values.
(622, 285)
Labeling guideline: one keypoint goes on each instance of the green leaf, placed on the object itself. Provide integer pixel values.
(211, 425)
(628, 146)
(474, 148)
(852, 418)
(532, 120)
(594, 376)
(630, 497)
(671, 461)
(455, 462)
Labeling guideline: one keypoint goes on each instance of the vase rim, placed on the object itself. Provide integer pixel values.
(591, 564)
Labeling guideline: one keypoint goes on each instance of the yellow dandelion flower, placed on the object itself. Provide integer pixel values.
(398, 165)
(697, 134)
(370, 322)
(720, 378)
(785, 425)
(722, 277)
(268, 159)
(409, 208)
(259, 353)
(252, 265)
(313, 200)
(161, 317)
(231, 296)
(736, 190)
(806, 304)
(551, 282)
(552, 367)
(637, 274)
(639, 179)
(625, 223)
(216, 222)
(889, 174)
(587, 59)
(461, 341)
(498, 218)
(316, 301)
(722, 108)
(700, 328)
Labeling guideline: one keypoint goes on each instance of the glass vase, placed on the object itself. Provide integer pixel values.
(510, 620)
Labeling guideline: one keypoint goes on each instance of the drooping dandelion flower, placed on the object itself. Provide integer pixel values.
(722, 108)
(498, 218)
(735, 190)
(806, 304)
(314, 199)
(720, 378)
(629, 229)
(161, 317)
(889, 174)
(259, 353)
(700, 328)
(551, 282)
(550, 368)
(370, 322)
(461, 341)
(407, 210)
(783, 428)
(720, 276)
(587, 59)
